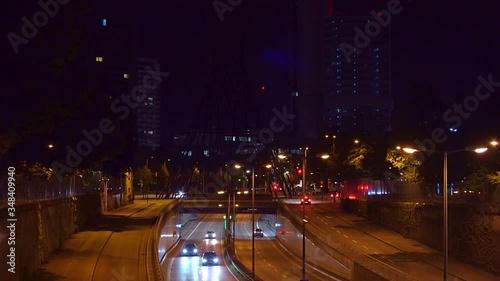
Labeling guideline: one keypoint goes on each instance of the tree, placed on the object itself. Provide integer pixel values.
(357, 158)
(407, 164)
(478, 181)
(35, 172)
(144, 177)
(494, 179)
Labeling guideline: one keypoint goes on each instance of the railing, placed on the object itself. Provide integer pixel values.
(28, 191)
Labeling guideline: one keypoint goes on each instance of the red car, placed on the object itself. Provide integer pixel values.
(305, 200)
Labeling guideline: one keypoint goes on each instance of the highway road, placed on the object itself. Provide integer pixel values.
(188, 268)
(389, 248)
(272, 262)
(108, 251)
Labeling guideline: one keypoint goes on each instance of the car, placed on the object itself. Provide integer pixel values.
(334, 196)
(190, 250)
(305, 200)
(210, 234)
(209, 258)
(258, 232)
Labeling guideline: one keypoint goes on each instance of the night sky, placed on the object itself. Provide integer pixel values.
(446, 46)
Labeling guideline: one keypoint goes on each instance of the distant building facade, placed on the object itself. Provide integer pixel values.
(148, 110)
(338, 93)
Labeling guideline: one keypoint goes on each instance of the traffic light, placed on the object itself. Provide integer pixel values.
(299, 171)
(275, 187)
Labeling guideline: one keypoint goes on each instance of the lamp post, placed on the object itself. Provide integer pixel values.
(234, 217)
(304, 221)
(445, 199)
(304, 163)
(253, 223)
(253, 218)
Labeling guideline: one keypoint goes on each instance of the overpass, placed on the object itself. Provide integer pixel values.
(263, 204)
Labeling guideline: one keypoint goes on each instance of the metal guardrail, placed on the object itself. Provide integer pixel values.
(154, 271)
(237, 264)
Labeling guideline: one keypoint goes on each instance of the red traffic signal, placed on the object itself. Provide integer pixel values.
(299, 171)
(275, 187)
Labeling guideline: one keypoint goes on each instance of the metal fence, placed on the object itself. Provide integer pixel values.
(32, 190)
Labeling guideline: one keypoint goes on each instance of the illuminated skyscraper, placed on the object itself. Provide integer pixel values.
(341, 86)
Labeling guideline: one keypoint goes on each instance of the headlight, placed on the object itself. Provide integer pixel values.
(204, 260)
(216, 260)
(195, 250)
(184, 251)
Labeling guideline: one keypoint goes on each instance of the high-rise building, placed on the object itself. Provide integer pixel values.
(356, 85)
(148, 110)
(114, 47)
(341, 86)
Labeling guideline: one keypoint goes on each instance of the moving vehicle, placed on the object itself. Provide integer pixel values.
(209, 258)
(210, 234)
(190, 250)
(305, 200)
(258, 232)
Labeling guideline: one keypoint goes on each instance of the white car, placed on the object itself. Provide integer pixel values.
(210, 234)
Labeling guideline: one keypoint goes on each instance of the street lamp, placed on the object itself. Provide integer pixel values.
(253, 218)
(304, 221)
(333, 137)
(445, 198)
(304, 163)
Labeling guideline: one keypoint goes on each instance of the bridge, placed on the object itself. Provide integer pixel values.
(242, 204)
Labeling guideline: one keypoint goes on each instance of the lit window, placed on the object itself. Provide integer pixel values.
(104, 22)
(98, 59)
(125, 75)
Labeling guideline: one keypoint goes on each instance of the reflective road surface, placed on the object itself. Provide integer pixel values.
(188, 268)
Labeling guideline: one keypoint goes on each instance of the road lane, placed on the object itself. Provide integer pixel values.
(178, 267)
(272, 261)
(387, 247)
(104, 251)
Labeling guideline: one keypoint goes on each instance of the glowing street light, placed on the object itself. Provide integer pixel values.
(445, 199)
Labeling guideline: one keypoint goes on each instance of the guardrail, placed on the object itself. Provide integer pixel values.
(153, 264)
(237, 264)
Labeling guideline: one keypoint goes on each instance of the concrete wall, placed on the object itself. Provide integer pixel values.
(42, 227)
(473, 232)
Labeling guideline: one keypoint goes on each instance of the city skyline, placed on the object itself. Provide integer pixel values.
(186, 53)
